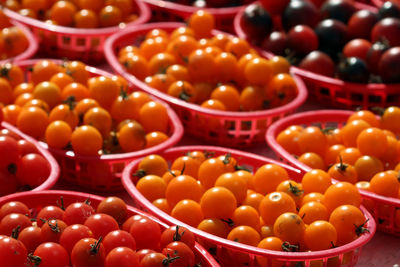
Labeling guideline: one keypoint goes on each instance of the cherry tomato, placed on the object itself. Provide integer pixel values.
(52, 255)
(33, 169)
(88, 252)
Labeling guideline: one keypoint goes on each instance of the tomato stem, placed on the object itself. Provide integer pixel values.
(15, 232)
(295, 190)
(61, 203)
(94, 248)
(177, 236)
(286, 246)
(36, 260)
(54, 227)
(360, 229)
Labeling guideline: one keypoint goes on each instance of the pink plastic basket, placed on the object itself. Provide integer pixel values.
(103, 173)
(73, 43)
(38, 200)
(169, 11)
(236, 129)
(382, 208)
(222, 248)
(337, 92)
(54, 168)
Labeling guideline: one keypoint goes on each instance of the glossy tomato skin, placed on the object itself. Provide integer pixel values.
(361, 23)
(181, 250)
(122, 257)
(357, 48)
(52, 254)
(388, 30)
(302, 40)
(300, 12)
(77, 213)
(389, 9)
(12, 252)
(389, 65)
(146, 233)
(177, 233)
(332, 36)
(353, 70)
(256, 22)
(318, 62)
(9, 151)
(32, 170)
(341, 10)
(88, 252)
(374, 55)
(275, 43)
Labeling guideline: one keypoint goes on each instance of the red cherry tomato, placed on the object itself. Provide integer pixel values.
(183, 254)
(52, 255)
(33, 169)
(88, 252)
(12, 252)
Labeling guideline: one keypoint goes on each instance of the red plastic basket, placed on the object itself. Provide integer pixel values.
(382, 208)
(236, 129)
(169, 11)
(347, 255)
(30, 50)
(38, 200)
(103, 173)
(337, 92)
(54, 168)
(73, 43)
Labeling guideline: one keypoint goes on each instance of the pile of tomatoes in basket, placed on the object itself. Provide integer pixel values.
(217, 72)
(365, 151)
(64, 106)
(83, 235)
(266, 208)
(334, 38)
(79, 13)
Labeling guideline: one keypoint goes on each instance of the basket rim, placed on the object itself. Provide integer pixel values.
(205, 255)
(174, 122)
(52, 179)
(118, 68)
(144, 16)
(338, 84)
(33, 44)
(309, 117)
(188, 10)
(295, 256)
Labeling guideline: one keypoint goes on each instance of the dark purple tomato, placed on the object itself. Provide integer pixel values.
(389, 9)
(389, 65)
(374, 56)
(274, 7)
(256, 22)
(301, 40)
(353, 69)
(332, 36)
(387, 30)
(275, 43)
(318, 62)
(300, 12)
(340, 10)
(361, 24)
(357, 48)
